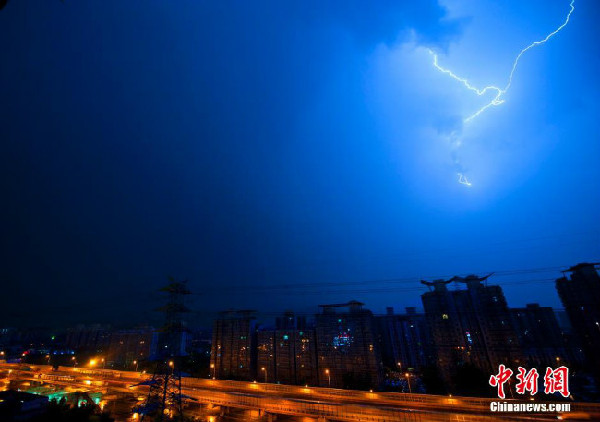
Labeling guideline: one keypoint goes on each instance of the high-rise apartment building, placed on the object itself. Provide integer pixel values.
(347, 347)
(579, 291)
(470, 326)
(288, 354)
(266, 369)
(540, 336)
(128, 346)
(405, 340)
(234, 345)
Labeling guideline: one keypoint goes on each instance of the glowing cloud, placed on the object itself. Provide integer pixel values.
(499, 92)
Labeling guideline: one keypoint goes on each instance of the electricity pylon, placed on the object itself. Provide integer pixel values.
(164, 398)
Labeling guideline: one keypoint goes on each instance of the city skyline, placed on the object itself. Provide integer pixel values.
(462, 336)
(410, 289)
(268, 317)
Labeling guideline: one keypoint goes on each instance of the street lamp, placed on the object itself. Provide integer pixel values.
(328, 376)
(212, 366)
(265, 371)
(407, 375)
(92, 362)
(135, 362)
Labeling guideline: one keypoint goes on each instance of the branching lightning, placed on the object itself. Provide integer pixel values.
(462, 179)
(499, 92)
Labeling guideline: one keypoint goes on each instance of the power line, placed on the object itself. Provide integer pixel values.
(232, 289)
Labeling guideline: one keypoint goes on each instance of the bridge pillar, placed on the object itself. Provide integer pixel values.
(212, 408)
(254, 413)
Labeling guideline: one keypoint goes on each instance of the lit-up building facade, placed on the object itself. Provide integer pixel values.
(347, 348)
(470, 326)
(234, 346)
(288, 354)
(266, 369)
(405, 340)
(128, 346)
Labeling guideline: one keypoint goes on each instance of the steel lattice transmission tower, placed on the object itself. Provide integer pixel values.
(164, 400)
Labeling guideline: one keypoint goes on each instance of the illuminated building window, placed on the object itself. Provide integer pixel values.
(342, 339)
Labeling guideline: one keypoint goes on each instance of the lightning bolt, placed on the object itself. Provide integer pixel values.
(499, 92)
(462, 179)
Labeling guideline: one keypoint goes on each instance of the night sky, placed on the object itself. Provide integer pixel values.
(251, 145)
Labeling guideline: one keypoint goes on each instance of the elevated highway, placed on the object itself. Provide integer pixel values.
(308, 402)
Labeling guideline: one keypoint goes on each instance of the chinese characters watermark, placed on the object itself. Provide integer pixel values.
(555, 381)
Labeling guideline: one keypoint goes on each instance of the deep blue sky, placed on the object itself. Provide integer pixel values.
(268, 143)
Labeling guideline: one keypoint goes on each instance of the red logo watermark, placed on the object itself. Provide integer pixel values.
(555, 380)
(528, 381)
(500, 379)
